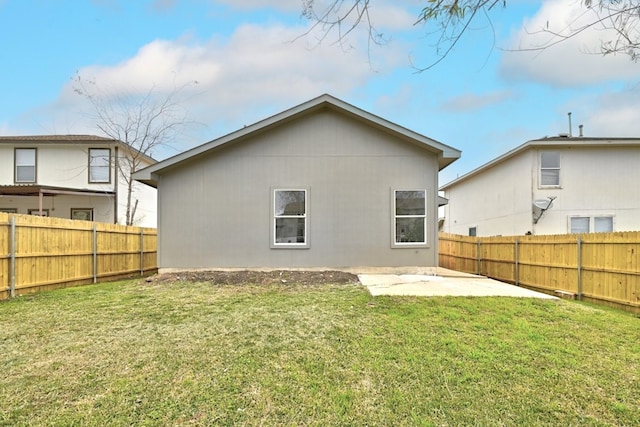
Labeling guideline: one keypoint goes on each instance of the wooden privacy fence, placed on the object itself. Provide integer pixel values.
(599, 267)
(44, 253)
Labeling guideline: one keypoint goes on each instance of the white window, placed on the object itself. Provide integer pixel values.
(579, 224)
(290, 217)
(586, 224)
(83, 214)
(25, 164)
(410, 217)
(549, 169)
(603, 224)
(99, 165)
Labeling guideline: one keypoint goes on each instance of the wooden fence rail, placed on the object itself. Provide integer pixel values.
(598, 267)
(45, 253)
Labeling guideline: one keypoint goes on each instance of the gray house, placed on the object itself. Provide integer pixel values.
(323, 184)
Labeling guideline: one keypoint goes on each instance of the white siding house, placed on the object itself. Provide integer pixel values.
(71, 176)
(554, 185)
(323, 184)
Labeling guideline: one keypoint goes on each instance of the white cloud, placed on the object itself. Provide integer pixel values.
(257, 71)
(571, 62)
(612, 114)
(392, 17)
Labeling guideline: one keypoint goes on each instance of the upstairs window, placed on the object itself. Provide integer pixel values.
(25, 161)
(550, 169)
(290, 218)
(99, 165)
(410, 222)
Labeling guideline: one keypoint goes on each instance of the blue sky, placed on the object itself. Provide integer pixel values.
(251, 60)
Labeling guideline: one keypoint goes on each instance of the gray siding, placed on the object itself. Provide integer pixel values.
(216, 210)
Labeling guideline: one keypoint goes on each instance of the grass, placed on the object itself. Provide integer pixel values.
(134, 353)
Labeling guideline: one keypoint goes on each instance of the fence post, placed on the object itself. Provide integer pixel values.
(516, 273)
(141, 251)
(579, 255)
(95, 253)
(479, 259)
(12, 261)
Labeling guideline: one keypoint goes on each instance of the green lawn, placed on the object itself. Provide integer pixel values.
(136, 353)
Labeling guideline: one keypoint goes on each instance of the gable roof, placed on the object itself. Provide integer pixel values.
(446, 154)
(548, 142)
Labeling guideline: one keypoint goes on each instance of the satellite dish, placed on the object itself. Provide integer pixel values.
(540, 206)
(543, 204)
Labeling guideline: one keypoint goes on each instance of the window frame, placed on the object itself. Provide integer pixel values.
(592, 223)
(575, 217)
(76, 210)
(90, 166)
(16, 165)
(394, 217)
(9, 210)
(541, 168)
(274, 219)
(596, 217)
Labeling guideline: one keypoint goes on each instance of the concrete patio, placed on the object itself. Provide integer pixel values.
(438, 282)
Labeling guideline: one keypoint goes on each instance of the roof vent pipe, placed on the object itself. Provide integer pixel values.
(570, 127)
(580, 127)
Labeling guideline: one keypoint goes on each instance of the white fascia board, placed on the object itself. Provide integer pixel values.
(446, 154)
(555, 142)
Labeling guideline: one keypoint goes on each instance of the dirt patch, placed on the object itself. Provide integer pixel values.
(258, 277)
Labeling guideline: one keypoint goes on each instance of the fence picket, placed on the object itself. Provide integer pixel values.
(598, 267)
(47, 253)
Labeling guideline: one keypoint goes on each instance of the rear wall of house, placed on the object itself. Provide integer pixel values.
(217, 211)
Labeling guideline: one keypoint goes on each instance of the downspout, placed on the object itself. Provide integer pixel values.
(40, 195)
(116, 178)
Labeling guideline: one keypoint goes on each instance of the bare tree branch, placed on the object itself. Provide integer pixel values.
(452, 19)
(142, 123)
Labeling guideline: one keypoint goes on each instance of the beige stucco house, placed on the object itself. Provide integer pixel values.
(323, 184)
(553, 185)
(71, 176)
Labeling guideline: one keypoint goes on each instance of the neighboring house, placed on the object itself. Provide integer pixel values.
(554, 185)
(323, 184)
(71, 176)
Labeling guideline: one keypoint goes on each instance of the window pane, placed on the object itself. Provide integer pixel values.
(99, 165)
(550, 176)
(472, 231)
(290, 203)
(550, 168)
(25, 164)
(25, 173)
(26, 156)
(603, 224)
(290, 230)
(410, 230)
(580, 225)
(410, 202)
(550, 159)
